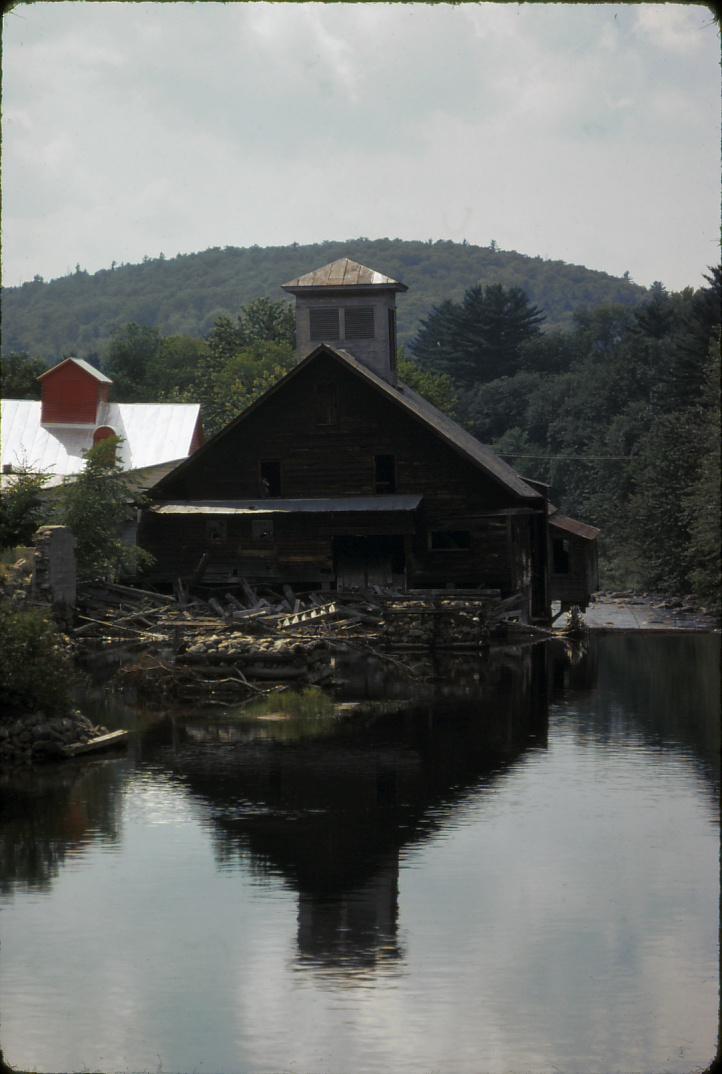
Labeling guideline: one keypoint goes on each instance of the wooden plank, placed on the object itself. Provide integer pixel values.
(93, 745)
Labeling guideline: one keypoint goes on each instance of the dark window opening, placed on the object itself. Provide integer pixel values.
(392, 340)
(560, 555)
(384, 473)
(216, 531)
(270, 477)
(323, 323)
(358, 322)
(450, 540)
(327, 404)
(262, 529)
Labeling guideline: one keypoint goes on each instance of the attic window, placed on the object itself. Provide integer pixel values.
(326, 404)
(384, 473)
(359, 322)
(323, 322)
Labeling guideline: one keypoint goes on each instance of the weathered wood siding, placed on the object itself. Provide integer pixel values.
(333, 460)
(576, 585)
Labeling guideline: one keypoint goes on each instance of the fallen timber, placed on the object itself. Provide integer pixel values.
(109, 741)
(187, 645)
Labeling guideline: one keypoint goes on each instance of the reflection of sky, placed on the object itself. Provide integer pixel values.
(566, 919)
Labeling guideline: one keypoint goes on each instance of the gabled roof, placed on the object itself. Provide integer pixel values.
(413, 403)
(85, 366)
(152, 433)
(342, 274)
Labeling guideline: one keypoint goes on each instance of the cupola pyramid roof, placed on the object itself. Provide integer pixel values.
(343, 273)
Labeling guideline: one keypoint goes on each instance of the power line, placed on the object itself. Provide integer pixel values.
(566, 458)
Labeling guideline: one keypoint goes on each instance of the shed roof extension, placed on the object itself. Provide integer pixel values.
(318, 506)
(573, 526)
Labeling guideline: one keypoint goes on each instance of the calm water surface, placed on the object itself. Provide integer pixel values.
(516, 870)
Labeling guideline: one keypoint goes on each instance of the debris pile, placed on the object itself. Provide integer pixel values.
(440, 624)
(225, 647)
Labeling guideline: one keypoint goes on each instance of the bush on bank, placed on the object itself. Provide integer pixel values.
(36, 672)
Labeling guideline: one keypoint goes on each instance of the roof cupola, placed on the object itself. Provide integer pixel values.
(350, 307)
(73, 393)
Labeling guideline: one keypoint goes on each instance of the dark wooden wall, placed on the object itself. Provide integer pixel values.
(576, 585)
(334, 460)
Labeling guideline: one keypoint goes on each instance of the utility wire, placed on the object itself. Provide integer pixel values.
(566, 458)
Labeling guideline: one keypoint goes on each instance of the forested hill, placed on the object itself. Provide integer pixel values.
(183, 295)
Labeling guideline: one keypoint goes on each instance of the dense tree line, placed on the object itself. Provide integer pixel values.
(184, 295)
(620, 416)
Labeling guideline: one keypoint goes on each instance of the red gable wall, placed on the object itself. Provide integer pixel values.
(71, 396)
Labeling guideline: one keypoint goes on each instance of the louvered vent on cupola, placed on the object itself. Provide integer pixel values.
(324, 323)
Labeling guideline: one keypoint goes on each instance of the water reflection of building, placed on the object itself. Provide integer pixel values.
(331, 814)
(50, 814)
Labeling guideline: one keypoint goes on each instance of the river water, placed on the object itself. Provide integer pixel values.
(513, 869)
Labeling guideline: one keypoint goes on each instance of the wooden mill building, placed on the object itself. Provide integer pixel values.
(340, 475)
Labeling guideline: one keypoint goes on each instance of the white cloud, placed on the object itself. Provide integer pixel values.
(134, 128)
(677, 28)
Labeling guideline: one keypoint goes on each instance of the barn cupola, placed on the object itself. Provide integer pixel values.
(351, 307)
(73, 393)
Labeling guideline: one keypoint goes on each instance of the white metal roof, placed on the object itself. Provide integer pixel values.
(152, 433)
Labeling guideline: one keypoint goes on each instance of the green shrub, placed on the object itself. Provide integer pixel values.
(36, 672)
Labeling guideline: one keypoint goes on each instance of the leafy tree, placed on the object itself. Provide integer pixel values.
(133, 352)
(21, 507)
(96, 504)
(438, 388)
(175, 365)
(260, 321)
(36, 672)
(226, 387)
(19, 374)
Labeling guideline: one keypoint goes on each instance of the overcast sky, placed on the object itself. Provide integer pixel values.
(588, 133)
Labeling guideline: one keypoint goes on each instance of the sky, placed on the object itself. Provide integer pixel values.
(587, 133)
